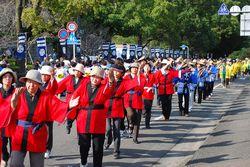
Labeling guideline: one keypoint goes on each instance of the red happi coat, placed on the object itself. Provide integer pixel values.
(150, 81)
(91, 114)
(165, 82)
(67, 84)
(114, 105)
(7, 125)
(133, 98)
(52, 87)
(47, 108)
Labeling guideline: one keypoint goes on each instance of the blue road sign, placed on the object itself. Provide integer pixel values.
(72, 40)
(223, 10)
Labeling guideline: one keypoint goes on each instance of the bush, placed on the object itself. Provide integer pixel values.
(240, 54)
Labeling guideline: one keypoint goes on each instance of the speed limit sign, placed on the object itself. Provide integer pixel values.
(72, 26)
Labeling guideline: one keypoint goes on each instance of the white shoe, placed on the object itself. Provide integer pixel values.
(47, 154)
(81, 165)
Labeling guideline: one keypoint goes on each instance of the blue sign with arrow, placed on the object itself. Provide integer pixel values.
(72, 40)
(223, 10)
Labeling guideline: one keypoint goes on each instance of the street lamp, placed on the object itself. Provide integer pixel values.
(183, 47)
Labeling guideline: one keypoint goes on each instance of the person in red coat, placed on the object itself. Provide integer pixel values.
(32, 109)
(49, 85)
(164, 79)
(70, 84)
(91, 114)
(148, 93)
(7, 79)
(133, 101)
(115, 108)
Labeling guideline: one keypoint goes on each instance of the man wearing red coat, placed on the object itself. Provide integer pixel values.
(91, 114)
(115, 108)
(164, 78)
(32, 108)
(133, 100)
(70, 84)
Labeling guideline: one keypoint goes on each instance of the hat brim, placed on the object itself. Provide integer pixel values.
(115, 69)
(74, 69)
(24, 79)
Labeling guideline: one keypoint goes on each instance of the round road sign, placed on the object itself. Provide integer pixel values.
(235, 10)
(63, 34)
(72, 26)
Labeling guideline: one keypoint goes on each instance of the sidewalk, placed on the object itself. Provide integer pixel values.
(229, 144)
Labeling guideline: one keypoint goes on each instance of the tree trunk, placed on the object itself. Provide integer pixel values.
(19, 9)
(139, 39)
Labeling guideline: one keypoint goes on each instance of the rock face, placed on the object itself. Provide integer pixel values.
(7, 22)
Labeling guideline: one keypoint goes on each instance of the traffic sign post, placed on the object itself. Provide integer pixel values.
(223, 10)
(69, 35)
(244, 18)
(63, 34)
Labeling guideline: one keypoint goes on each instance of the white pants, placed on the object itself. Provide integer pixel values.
(191, 99)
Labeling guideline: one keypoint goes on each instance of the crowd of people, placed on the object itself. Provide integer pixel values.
(106, 99)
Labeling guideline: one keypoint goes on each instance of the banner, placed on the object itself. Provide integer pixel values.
(21, 46)
(113, 50)
(124, 51)
(63, 45)
(152, 52)
(105, 50)
(41, 47)
(132, 49)
(139, 52)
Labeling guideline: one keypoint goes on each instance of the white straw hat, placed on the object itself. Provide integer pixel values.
(33, 75)
(46, 70)
(79, 67)
(97, 71)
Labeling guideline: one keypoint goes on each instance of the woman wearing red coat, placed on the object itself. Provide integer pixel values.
(115, 108)
(70, 84)
(91, 114)
(32, 109)
(148, 93)
(133, 101)
(7, 78)
(164, 78)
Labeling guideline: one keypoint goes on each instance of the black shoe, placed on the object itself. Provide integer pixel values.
(148, 127)
(106, 147)
(68, 130)
(136, 141)
(116, 155)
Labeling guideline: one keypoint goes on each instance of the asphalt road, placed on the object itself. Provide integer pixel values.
(171, 143)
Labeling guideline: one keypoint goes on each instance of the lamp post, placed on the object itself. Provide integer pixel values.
(183, 47)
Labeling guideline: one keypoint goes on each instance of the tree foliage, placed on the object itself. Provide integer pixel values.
(164, 22)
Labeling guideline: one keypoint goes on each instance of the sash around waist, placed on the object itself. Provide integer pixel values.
(93, 107)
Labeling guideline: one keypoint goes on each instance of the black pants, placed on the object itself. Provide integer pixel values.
(113, 132)
(183, 110)
(205, 91)
(50, 138)
(166, 103)
(134, 119)
(148, 106)
(17, 159)
(200, 94)
(210, 88)
(84, 141)
(5, 152)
